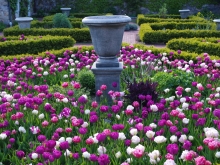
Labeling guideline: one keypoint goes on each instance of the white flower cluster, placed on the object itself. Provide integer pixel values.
(183, 155)
(160, 139)
(154, 157)
(22, 129)
(211, 132)
(169, 162)
(3, 136)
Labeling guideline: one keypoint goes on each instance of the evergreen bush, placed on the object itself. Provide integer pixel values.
(87, 79)
(61, 21)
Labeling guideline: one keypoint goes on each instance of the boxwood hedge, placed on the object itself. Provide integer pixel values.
(33, 44)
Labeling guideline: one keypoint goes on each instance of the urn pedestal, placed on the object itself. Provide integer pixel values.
(184, 13)
(24, 22)
(66, 11)
(107, 33)
(217, 21)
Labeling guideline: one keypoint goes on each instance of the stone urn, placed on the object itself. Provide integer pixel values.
(107, 33)
(184, 13)
(66, 11)
(24, 22)
(217, 21)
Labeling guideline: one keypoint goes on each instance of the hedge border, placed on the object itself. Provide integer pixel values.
(163, 36)
(80, 35)
(141, 19)
(59, 53)
(32, 44)
(197, 45)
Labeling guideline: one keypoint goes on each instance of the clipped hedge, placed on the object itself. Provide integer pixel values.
(163, 36)
(49, 24)
(197, 45)
(80, 35)
(182, 26)
(57, 53)
(33, 44)
(141, 19)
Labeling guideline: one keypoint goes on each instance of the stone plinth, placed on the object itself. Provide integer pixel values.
(107, 76)
(24, 22)
(184, 13)
(66, 11)
(217, 21)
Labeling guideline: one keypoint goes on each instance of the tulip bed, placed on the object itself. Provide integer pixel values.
(46, 117)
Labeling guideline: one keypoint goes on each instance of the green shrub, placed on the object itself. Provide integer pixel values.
(34, 45)
(144, 28)
(131, 26)
(50, 18)
(80, 35)
(163, 11)
(197, 45)
(61, 21)
(172, 80)
(2, 26)
(87, 79)
(49, 24)
(134, 89)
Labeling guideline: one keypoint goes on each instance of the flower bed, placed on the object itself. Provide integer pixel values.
(47, 118)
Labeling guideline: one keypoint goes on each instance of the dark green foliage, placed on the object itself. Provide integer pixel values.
(33, 44)
(172, 80)
(49, 24)
(2, 26)
(23, 12)
(131, 26)
(173, 6)
(61, 21)
(80, 35)
(140, 88)
(87, 79)
(127, 27)
(163, 11)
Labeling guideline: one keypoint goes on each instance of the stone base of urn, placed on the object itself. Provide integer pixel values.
(107, 33)
(24, 22)
(107, 76)
(217, 21)
(184, 13)
(66, 11)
